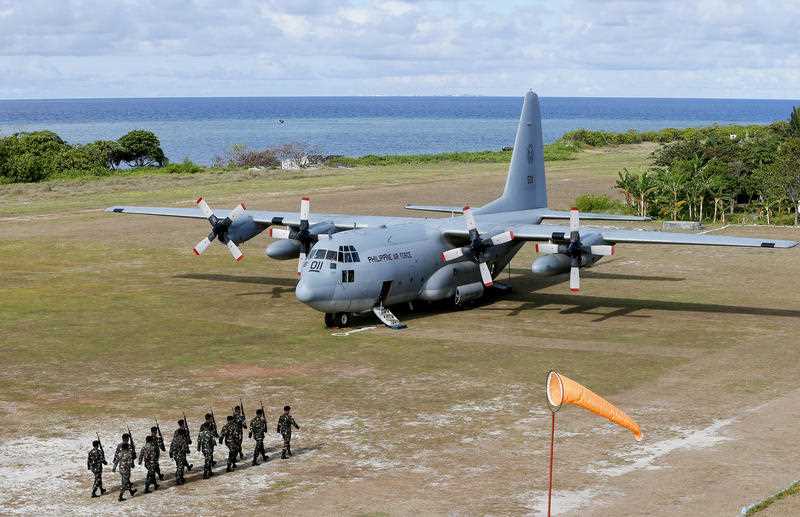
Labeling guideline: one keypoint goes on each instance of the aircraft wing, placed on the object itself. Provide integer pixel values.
(546, 232)
(439, 208)
(591, 216)
(543, 232)
(342, 221)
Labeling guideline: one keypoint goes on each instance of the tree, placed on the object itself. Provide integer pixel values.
(142, 148)
(644, 187)
(781, 179)
(671, 183)
(626, 184)
(794, 122)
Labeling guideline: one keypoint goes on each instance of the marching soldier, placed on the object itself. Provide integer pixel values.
(95, 463)
(158, 442)
(178, 449)
(205, 444)
(124, 459)
(149, 454)
(126, 438)
(211, 423)
(241, 422)
(285, 424)
(230, 435)
(258, 428)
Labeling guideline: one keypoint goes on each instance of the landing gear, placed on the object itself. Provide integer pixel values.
(339, 319)
(342, 319)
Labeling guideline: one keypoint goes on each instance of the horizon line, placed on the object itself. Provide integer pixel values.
(390, 96)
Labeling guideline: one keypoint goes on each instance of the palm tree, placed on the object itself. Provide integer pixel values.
(626, 184)
(671, 181)
(645, 187)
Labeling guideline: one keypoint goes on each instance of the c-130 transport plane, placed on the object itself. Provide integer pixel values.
(350, 264)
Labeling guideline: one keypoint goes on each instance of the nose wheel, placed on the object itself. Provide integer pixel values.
(339, 319)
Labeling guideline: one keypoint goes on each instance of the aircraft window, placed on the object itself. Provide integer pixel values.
(351, 276)
(341, 256)
(319, 254)
(344, 276)
(330, 255)
(355, 257)
(348, 257)
(333, 265)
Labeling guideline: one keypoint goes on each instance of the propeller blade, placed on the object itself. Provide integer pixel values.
(235, 251)
(204, 208)
(305, 208)
(279, 233)
(602, 250)
(237, 212)
(574, 279)
(574, 220)
(300, 262)
(502, 238)
(470, 219)
(486, 276)
(453, 254)
(201, 246)
(546, 248)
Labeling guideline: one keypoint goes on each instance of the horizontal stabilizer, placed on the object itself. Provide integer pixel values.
(437, 208)
(589, 216)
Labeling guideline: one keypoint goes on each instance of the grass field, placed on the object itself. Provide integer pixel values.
(107, 320)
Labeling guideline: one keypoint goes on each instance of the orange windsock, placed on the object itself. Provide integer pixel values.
(563, 390)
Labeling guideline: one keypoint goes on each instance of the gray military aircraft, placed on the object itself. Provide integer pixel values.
(350, 264)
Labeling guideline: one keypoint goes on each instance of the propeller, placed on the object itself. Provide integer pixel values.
(219, 229)
(574, 249)
(300, 234)
(478, 246)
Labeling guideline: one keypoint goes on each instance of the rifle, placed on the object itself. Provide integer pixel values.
(160, 444)
(133, 445)
(241, 404)
(186, 423)
(103, 452)
(214, 422)
(263, 413)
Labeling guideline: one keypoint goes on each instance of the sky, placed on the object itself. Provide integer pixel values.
(625, 48)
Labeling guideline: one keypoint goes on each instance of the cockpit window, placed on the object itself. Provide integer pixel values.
(319, 254)
(348, 254)
(330, 255)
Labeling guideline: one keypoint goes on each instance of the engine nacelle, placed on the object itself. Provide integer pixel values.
(244, 228)
(443, 283)
(284, 249)
(549, 265)
(468, 292)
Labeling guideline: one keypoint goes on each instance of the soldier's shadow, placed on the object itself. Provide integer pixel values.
(196, 474)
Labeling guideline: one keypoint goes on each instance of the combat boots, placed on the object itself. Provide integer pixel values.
(289, 450)
(283, 454)
(146, 488)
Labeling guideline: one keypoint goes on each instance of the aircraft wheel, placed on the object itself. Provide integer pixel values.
(342, 319)
(330, 320)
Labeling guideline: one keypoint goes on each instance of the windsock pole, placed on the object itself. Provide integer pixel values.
(552, 446)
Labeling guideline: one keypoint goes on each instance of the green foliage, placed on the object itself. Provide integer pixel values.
(599, 203)
(794, 122)
(184, 167)
(142, 148)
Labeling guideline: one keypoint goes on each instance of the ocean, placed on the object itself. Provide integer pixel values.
(201, 128)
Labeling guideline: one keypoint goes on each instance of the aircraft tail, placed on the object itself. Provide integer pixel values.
(525, 184)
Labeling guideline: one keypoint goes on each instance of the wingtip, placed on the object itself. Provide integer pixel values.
(240, 258)
(194, 250)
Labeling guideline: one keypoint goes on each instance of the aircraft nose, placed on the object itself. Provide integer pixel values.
(303, 292)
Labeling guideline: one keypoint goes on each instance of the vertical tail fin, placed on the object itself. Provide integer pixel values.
(525, 184)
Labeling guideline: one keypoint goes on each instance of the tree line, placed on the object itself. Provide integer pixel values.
(40, 155)
(717, 172)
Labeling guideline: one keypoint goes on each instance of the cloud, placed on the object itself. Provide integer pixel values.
(363, 47)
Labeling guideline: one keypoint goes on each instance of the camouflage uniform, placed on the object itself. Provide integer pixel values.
(95, 463)
(230, 433)
(149, 454)
(241, 423)
(158, 448)
(285, 424)
(178, 449)
(205, 444)
(124, 459)
(258, 428)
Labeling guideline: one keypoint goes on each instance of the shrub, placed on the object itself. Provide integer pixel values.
(599, 203)
(142, 148)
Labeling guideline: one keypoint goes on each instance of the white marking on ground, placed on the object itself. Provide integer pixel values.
(563, 500)
(354, 331)
(644, 456)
